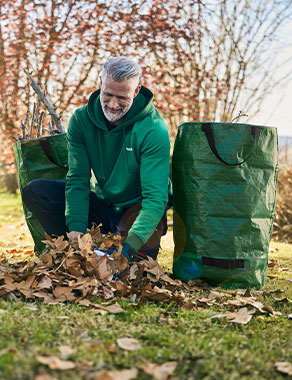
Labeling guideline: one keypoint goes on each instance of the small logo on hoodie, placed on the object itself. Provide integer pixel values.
(129, 149)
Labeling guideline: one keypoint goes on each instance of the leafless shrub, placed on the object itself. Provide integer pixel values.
(282, 229)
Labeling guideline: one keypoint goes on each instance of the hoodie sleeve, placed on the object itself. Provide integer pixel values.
(78, 179)
(154, 174)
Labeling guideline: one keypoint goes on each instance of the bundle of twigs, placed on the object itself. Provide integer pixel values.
(34, 128)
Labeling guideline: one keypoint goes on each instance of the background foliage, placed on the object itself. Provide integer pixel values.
(204, 60)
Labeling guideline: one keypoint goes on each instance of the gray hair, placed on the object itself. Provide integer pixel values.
(121, 68)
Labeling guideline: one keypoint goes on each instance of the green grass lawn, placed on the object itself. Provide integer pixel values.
(203, 348)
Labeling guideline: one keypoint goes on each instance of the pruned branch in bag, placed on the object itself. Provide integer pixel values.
(35, 128)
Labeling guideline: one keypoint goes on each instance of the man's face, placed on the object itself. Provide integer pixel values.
(117, 97)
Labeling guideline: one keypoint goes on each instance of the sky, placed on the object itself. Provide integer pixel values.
(276, 110)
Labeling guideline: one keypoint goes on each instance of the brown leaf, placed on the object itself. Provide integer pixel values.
(125, 374)
(85, 242)
(73, 266)
(99, 311)
(61, 244)
(284, 367)
(154, 273)
(166, 278)
(66, 352)
(216, 316)
(188, 306)
(106, 243)
(53, 362)
(112, 349)
(9, 282)
(85, 302)
(49, 241)
(63, 292)
(285, 299)
(272, 263)
(104, 269)
(47, 258)
(45, 283)
(129, 344)
(121, 263)
(121, 287)
(102, 375)
(242, 316)
(160, 371)
(114, 309)
(47, 297)
(44, 376)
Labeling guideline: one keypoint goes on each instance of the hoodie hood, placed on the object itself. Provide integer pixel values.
(141, 107)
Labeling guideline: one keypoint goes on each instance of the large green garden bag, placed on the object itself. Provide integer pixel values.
(41, 158)
(224, 190)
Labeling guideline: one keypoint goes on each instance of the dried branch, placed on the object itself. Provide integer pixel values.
(39, 124)
(45, 102)
(32, 121)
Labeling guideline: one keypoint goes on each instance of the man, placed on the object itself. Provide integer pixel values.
(120, 137)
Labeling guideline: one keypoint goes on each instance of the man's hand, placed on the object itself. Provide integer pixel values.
(127, 251)
(73, 235)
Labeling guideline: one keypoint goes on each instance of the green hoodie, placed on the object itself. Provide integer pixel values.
(130, 164)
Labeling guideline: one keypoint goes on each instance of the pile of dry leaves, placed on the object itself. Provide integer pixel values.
(71, 271)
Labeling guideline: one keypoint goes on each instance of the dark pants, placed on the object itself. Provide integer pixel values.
(46, 200)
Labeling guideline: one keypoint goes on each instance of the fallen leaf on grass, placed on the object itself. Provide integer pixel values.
(114, 309)
(83, 367)
(44, 376)
(129, 344)
(66, 351)
(53, 362)
(272, 263)
(242, 316)
(252, 302)
(285, 299)
(85, 302)
(284, 367)
(159, 371)
(125, 374)
(216, 316)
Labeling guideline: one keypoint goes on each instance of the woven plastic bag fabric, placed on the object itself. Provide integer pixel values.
(41, 158)
(224, 191)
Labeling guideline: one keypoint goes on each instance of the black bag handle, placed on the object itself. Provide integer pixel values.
(206, 128)
(223, 263)
(46, 148)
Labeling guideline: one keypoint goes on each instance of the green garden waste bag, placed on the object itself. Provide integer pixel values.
(41, 158)
(224, 191)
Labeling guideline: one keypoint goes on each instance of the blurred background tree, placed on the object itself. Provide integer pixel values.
(204, 60)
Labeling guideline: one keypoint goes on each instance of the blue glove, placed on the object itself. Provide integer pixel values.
(127, 251)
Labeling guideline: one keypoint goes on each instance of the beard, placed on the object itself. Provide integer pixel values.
(112, 117)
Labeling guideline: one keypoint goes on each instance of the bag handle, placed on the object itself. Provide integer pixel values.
(46, 148)
(206, 128)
